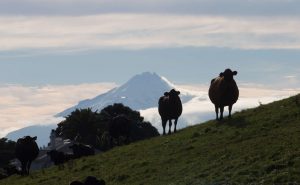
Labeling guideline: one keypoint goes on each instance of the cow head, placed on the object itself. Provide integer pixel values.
(173, 92)
(228, 74)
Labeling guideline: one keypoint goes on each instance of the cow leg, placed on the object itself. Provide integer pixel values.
(229, 109)
(164, 123)
(170, 125)
(175, 124)
(217, 112)
(28, 167)
(221, 112)
(23, 166)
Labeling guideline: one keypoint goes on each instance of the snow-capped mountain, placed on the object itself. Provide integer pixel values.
(139, 93)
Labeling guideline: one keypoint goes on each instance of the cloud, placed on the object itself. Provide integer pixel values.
(22, 106)
(138, 31)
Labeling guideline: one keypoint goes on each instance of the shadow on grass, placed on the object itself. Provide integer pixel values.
(238, 122)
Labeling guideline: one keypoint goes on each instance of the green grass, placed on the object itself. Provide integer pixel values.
(257, 146)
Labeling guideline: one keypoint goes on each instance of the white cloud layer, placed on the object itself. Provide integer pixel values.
(137, 31)
(22, 106)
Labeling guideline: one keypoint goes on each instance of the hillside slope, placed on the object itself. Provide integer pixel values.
(260, 145)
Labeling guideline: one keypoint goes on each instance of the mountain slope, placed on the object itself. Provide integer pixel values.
(140, 92)
(260, 145)
(41, 131)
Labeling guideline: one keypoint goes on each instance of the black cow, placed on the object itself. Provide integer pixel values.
(58, 158)
(90, 180)
(223, 91)
(170, 107)
(26, 151)
(80, 150)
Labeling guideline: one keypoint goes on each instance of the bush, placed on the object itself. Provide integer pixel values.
(115, 125)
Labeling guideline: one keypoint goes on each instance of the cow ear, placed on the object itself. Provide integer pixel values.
(34, 138)
(166, 93)
(221, 74)
(178, 92)
(234, 72)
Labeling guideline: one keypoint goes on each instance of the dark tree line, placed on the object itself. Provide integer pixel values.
(7, 153)
(114, 125)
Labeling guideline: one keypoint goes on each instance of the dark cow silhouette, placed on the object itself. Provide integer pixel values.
(26, 151)
(80, 150)
(223, 91)
(90, 180)
(119, 126)
(58, 158)
(170, 107)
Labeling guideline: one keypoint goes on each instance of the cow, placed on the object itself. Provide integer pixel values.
(223, 91)
(80, 150)
(26, 151)
(169, 108)
(91, 180)
(58, 158)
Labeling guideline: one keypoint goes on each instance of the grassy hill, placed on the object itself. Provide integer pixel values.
(258, 146)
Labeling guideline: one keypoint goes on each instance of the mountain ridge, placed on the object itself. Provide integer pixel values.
(41, 131)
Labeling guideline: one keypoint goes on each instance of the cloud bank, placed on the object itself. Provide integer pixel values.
(139, 31)
(22, 106)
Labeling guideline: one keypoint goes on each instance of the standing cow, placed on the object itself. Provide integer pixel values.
(26, 151)
(81, 150)
(170, 107)
(223, 91)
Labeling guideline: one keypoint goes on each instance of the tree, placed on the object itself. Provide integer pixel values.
(137, 129)
(7, 151)
(81, 125)
(114, 125)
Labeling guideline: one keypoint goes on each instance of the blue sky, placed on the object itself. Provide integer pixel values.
(183, 65)
(54, 53)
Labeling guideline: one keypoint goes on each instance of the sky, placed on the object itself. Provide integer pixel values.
(54, 53)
